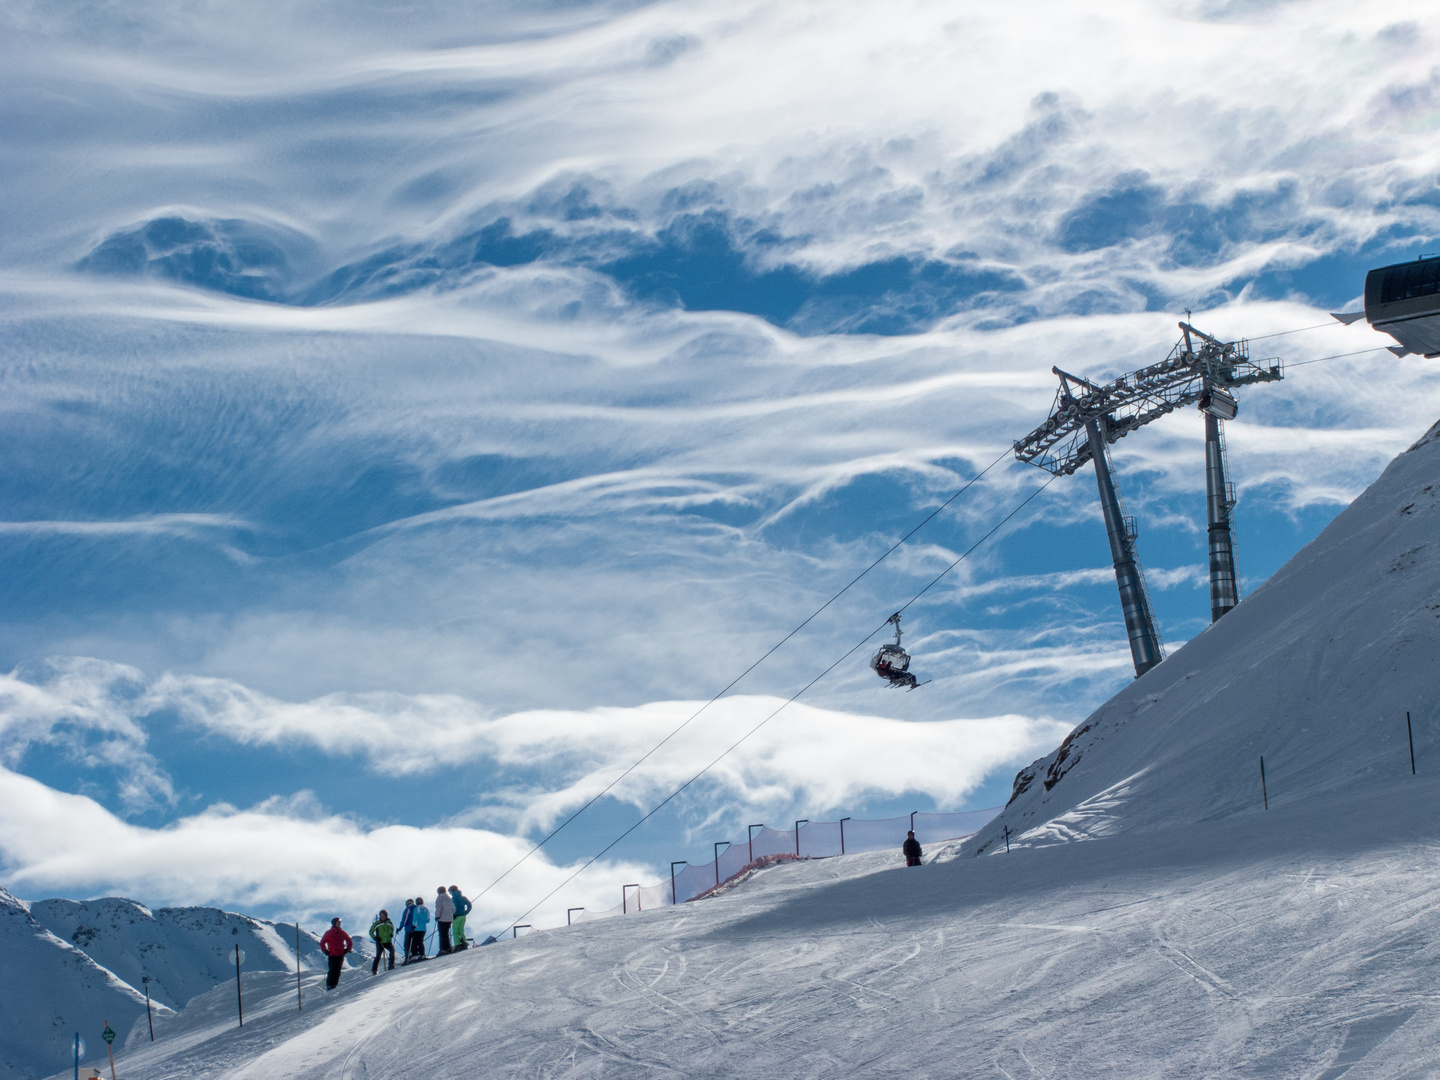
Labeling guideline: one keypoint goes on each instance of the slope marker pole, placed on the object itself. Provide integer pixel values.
(1411, 733)
(299, 996)
(1263, 793)
(1007, 839)
(146, 980)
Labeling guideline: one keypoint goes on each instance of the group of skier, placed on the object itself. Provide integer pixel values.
(451, 907)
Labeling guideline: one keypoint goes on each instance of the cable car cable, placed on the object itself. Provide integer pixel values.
(601, 794)
(789, 701)
(1297, 330)
(1338, 356)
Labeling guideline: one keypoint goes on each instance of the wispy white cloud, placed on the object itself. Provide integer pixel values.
(824, 758)
(285, 855)
(86, 709)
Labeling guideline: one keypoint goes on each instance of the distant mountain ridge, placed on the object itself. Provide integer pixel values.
(74, 965)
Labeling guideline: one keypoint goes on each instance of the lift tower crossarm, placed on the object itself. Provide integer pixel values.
(1061, 445)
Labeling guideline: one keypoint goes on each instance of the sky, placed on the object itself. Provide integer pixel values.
(412, 414)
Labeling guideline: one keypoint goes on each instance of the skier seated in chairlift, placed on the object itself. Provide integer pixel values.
(892, 663)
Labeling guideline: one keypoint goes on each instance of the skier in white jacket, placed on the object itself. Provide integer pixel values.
(444, 916)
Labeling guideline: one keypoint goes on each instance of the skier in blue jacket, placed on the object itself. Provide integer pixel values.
(462, 908)
(420, 919)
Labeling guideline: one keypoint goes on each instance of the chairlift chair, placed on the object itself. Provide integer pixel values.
(892, 662)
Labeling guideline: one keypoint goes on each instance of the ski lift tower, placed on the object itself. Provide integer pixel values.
(1087, 419)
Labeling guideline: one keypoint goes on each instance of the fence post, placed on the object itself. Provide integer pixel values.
(239, 1004)
(678, 862)
(1264, 794)
(1411, 734)
(802, 821)
(718, 844)
(568, 912)
(842, 834)
(633, 885)
(1007, 839)
(912, 819)
(750, 839)
(515, 930)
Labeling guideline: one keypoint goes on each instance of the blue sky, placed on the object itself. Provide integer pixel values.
(408, 419)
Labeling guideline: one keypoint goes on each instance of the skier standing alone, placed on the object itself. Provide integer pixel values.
(911, 849)
(382, 932)
(335, 944)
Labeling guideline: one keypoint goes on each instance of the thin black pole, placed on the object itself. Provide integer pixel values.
(1411, 733)
(148, 1017)
(239, 1005)
(1263, 793)
(1007, 839)
(299, 998)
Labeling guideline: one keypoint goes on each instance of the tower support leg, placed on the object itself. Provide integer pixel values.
(1224, 589)
(1139, 622)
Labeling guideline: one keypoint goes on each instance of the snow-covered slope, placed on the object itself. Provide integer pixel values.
(1194, 934)
(1315, 672)
(48, 991)
(1298, 950)
(185, 951)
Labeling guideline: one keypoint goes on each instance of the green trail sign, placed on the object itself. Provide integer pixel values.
(108, 1034)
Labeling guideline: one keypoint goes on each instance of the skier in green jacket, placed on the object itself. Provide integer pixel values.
(382, 932)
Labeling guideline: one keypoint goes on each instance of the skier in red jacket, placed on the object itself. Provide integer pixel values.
(335, 944)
